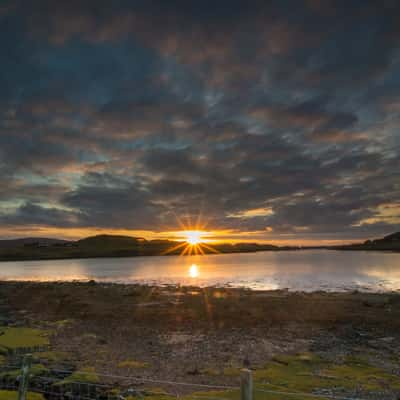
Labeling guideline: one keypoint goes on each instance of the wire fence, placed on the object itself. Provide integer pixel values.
(69, 384)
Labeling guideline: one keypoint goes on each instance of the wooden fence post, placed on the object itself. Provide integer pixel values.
(24, 377)
(246, 385)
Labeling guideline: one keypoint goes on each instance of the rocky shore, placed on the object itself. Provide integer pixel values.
(340, 343)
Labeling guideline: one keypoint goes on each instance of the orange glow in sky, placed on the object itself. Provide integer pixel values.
(188, 234)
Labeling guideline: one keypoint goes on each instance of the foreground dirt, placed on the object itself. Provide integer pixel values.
(202, 335)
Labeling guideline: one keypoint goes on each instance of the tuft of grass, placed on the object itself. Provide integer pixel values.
(231, 371)
(227, 371)
(357, 371)
(85, 375)
(51, 356)
(14, 338)
(291, 373)
(63, 323)
(36, 370)
(307, 373)
(225, 394)
(153, 394)
(12, 395)
(156, 390)
(219, 394)
(156, 396)
(132, 364)
(210, 371)
(160, 394)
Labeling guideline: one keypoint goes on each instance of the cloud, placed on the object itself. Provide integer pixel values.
(313, 119)
(34, 214)
(272, 117)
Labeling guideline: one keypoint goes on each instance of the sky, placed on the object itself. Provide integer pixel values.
(271, 121)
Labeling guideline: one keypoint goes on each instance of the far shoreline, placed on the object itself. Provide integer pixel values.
(101, 246)
(169, 287)
(293, 249)
(150, 255)
(191, 288)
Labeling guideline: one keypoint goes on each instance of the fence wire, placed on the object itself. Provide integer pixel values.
(304, 394)
(52, 387)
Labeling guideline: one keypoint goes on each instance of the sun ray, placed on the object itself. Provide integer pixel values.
(201, 251)
(185, 250)
(210, 248)
(193, 235)
(170, 250)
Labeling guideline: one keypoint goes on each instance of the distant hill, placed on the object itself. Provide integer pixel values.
(387, 243)
(129, 246)
(393, 238)
(108, 246)
(110, 241)
(244, 247)
(31, 241)
(93, 246)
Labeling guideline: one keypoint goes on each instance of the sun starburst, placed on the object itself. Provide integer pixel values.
(194, 237)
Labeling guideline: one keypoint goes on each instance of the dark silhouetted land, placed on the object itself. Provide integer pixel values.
(109, 246)
(127, 246)
(387, 243)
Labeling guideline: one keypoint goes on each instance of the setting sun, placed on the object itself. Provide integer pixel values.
(191, 242)
(193, 237)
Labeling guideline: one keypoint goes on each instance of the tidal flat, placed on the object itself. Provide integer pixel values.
(344, 343)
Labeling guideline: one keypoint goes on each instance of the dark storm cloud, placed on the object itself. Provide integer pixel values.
(318, 123)
(34, 214)
(127, 207)
(131, 114)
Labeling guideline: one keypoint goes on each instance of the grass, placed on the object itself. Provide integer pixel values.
(227, 371)
(357, 370)
(51, 356)
(221, 394)
(63, 323)
(153, 395)
(132, 364)
(300, 374)
(85, 375)
(231, 371)
(36, 370)
(14, 338)
(11, 395)
(308, 372)
(210, 371)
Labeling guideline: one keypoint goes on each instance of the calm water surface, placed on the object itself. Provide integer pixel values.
(306, 270)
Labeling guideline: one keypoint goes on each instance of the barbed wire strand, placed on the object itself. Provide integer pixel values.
(48, 380)
(313, 395)
(166, 382)
(10, 384)
(145, 391)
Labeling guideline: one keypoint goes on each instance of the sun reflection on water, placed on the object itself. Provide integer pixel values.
(193, 271)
